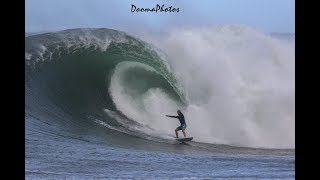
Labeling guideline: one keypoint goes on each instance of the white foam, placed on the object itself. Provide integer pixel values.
(239, 84)
(147, 109)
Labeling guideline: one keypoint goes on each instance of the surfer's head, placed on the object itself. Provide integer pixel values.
(178, 111)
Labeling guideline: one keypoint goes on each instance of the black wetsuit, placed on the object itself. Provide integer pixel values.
(180, 117)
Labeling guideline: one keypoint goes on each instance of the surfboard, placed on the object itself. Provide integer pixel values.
(184, 139)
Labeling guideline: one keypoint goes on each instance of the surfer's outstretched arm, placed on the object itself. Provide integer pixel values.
(172, 116)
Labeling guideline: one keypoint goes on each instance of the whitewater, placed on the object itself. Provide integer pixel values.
(239, 85)
(96, 100)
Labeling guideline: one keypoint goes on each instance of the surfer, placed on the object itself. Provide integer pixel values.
(183, 124)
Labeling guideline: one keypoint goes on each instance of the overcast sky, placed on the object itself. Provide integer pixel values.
(266, 15)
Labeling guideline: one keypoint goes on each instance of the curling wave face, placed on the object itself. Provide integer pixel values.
(234, 84)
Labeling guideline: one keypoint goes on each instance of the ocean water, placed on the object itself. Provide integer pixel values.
(96, 100)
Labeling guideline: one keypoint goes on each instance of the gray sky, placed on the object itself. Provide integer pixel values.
(266, 15)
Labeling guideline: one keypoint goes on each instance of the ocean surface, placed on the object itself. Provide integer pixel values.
(96, 101)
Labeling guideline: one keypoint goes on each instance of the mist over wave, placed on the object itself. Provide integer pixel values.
(239, 84)
(234, 84)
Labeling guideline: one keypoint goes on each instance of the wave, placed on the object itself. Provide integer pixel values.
(234, 84)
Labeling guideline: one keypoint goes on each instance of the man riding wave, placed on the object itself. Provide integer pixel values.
(183, 124)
